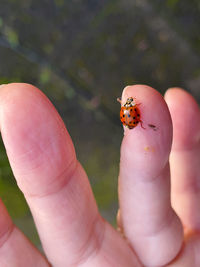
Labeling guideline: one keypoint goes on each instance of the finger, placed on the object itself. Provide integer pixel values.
(55, 185)
(149, 222)
(15, 248)
(185, 156)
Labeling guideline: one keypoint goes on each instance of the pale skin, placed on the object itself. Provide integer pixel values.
(159, 223)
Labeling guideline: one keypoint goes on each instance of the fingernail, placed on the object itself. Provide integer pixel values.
(2, 85)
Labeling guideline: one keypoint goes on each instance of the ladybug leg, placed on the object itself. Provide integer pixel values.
(141, 122)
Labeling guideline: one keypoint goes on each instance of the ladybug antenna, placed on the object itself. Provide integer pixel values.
(119, 99)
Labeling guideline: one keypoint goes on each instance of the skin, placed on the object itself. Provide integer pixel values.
(159, 224)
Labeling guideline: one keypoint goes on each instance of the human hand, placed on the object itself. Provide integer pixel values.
(58, 193)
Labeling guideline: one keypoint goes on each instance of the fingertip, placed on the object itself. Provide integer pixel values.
(152, 143)
(18, 95)
(151, 103)
(34, 136)
(10, 87)
(185, 115)
(173, 92)
(176, 95)
(137, 90)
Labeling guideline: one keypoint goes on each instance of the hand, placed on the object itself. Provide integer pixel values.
(58, 193)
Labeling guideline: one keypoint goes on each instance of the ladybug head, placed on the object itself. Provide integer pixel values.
(130, 102)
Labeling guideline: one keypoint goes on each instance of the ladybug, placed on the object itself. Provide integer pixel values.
(130, 113)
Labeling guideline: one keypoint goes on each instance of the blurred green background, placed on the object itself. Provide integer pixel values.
(81, 53)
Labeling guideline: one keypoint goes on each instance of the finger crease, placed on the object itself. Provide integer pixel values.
(167, 221)
(93, 244)
(59, 182)
(6, 235)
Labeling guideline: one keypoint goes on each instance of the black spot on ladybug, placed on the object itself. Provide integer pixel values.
(131, 109)
(123, 115)
(135, 109)
(129, 115)
(138, 115)
(134, 118)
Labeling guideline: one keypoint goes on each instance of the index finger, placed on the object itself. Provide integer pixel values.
(149, 222)
(55, 185)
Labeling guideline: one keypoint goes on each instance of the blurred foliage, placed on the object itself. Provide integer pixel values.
(81, 54)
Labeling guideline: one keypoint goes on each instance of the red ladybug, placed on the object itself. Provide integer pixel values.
(130, 113)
